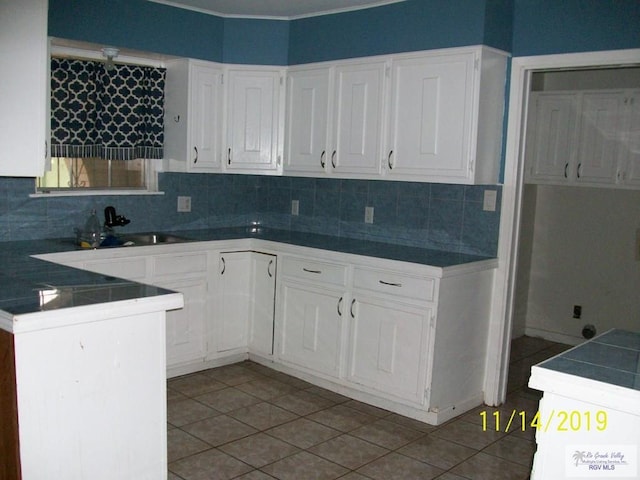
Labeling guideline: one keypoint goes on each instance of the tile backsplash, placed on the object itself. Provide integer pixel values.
(438, 216)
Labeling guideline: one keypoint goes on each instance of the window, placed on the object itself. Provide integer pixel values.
(94, 173)
(106, 126)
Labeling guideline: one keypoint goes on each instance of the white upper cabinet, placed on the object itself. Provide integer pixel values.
(445, 116)
(600, 122)
(586, 138)
(24, 95)
(193, 116)
(357, 119)
(403, 117)
(629, 152)
(335, 118)
(551, 136)
(253, 127)
(307, 120)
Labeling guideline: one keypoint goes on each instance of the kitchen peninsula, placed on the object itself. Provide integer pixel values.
(589, 415)
(82, 373)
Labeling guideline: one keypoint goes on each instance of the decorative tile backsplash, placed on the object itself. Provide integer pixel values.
(438, 216)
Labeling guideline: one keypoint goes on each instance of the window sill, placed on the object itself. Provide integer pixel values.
(80, 193)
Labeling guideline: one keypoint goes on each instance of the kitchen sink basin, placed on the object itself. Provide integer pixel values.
(151, 238)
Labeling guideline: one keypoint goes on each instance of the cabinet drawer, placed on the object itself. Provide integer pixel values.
(127, 268)
(394, 283)
(177, 264)
(315, 271)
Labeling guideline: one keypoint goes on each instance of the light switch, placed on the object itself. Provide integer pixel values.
(368, 214)
(490, 199)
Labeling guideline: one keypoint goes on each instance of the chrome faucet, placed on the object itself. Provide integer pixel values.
(111, 219)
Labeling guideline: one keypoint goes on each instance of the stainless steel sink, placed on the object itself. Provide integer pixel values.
(151, 238)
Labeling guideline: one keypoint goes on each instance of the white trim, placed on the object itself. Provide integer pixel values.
(206, 11)
(504, 284)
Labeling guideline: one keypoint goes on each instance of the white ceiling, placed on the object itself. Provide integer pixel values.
(273, 9)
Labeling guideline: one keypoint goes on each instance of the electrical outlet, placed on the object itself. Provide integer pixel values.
(490, 199)
(184, 204)
(295, 207)
(368, 214)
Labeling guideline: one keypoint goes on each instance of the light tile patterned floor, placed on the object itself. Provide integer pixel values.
(246, 421)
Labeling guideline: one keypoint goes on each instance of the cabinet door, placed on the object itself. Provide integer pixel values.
(186, 332)
(600, 124)
(263, 268)
(311, 327)
(357, 129)
(252, 122)
(551, 137)
(24, 100)
(205, 119)
(307, 120)
(387, 349)
(629, 148)
(234, 301)
(430, 117)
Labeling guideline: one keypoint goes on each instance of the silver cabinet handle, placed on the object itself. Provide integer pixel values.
(389, 159)
(311, 271)
(195, 160)
(391, 284)
(339, 304)
(322, 155)
(269, 269)
(353, 302)
(229, 156)
(333, 158)
(224, 266)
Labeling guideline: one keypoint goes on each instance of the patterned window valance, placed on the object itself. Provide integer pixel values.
(115, 114)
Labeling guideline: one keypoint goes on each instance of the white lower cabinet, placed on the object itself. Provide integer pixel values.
(186, 327)
(311, 327)
(402, 336)
(245, 302)
(388, 346)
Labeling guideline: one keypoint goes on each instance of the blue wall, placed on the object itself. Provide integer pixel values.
(543, 27)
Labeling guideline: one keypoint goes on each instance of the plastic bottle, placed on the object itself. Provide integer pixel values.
(93, 229)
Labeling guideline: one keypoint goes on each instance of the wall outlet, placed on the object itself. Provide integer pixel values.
(368, 214)
(295, 207)
(184, 204)
(490, 199)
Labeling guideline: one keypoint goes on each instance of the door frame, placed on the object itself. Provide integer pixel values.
(500, 326)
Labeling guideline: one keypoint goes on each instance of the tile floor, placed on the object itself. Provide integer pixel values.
(246, 421)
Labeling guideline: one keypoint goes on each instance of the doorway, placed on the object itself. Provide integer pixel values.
(522, 69)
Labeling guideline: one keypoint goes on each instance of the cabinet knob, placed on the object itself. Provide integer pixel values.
(579, 170)
(333, 158)
(195, 160)
(339, 305)
(566, 165)
(229, 156)
(389, 162)
(269, 269)
(322, 155)
(353, 302)
(224, 265)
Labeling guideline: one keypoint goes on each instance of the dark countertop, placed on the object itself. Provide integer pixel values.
(612, 358)
(29, 285)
